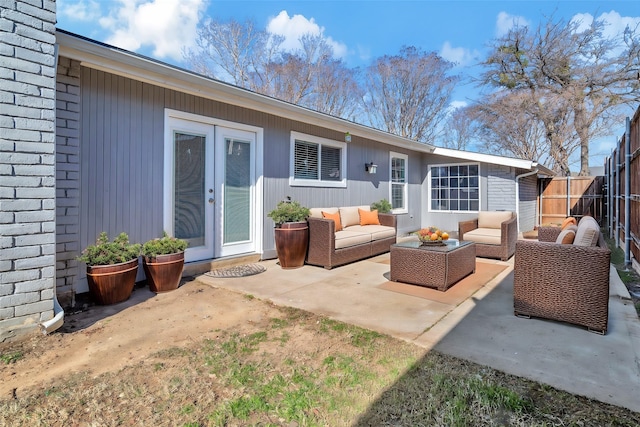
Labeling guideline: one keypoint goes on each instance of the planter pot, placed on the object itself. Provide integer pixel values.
(292, 241)
(111, 284)
(163, 271)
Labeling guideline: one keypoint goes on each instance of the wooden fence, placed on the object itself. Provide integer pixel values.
(623, 186)
(561, 197)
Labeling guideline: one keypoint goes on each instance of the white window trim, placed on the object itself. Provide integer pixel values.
(322, 141)
(405, 195)
(429, 209)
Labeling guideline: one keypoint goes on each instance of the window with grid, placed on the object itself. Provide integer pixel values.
(317, 161)
(454, 187)
(398, 182)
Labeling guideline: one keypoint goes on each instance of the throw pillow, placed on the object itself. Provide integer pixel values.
(335, 217)
(566, 237)
(568, 221)
(369, 217)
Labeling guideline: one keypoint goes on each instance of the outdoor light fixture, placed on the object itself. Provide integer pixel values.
(347, 137)
(370, 167)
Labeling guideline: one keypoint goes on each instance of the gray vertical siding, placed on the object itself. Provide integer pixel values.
(122, 151)
(528, 187)
(501, 188)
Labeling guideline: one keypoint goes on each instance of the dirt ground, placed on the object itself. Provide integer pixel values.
(108, 338)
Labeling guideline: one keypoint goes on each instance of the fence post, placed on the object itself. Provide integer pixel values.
(627, 194)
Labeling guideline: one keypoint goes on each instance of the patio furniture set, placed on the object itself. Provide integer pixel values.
(563, 276)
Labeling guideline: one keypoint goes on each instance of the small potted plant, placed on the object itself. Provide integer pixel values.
(382, 206)
(163, 262)
(112, 267)
(291, 233)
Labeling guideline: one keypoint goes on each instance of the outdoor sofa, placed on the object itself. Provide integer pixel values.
(567, 282)
(338, 236)
(494, 233)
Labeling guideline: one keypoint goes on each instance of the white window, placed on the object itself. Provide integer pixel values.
(317, 162)
(454, 188)
(398, 182)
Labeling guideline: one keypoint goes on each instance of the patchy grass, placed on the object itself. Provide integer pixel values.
(303, 370)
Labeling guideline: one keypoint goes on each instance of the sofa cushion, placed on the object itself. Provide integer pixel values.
(588, 232)
(377, 232)
(566, 237)
(317, 212)
(368, 217)
(568, 221)
(492, 219)
(335, 217)
(349, 215)
(488, 236)
(345, 238)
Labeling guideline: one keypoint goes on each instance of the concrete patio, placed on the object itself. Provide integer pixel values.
(470, 320)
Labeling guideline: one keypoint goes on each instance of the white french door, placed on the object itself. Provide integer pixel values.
(235, 178)
(210, 188)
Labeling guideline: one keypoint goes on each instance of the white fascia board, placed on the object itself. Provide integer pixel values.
(496, 160)
(117, 61)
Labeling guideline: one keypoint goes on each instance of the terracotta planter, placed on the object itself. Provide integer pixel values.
(111, 284)
(292, 241)
(164, 271)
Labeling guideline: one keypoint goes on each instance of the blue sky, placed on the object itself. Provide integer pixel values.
(359, 30)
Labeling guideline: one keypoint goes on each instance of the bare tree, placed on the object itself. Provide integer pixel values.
(234, 52)
(577, 67)
(254, 59)
(460, 129)
(408, 94)
(510, 123)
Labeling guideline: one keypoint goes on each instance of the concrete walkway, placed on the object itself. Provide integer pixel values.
(478, 326)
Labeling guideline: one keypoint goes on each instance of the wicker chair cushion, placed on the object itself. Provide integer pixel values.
(350, 216)
(487, 236)
(566, 237)
(368, 217)
(317, 212)
(377, 232)
(568, 221)
(345, 239)
(493, 219)
(335, 217)
(588, 232)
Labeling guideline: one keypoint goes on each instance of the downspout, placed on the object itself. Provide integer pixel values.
(524, 175)
(627, 195)
(616, 233)
(58, 313)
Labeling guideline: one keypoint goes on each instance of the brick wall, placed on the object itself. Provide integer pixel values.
(67, 178)
(27, 165)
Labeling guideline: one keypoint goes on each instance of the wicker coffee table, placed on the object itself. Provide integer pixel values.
(431, 265)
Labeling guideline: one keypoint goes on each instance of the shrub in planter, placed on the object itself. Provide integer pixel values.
(382, 206)
(291, 233)
(112, 267)
(163, 262)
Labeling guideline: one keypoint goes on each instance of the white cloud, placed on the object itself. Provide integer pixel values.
(454, 105)
(293, 27)
(165, 25)
(80, 10)
(505, 22)
(458, 55)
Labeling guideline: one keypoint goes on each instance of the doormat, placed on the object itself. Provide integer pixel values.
(236, 271)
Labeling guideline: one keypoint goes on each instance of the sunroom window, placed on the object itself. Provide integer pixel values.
(454, 187)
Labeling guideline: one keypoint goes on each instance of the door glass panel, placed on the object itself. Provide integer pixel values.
(237, 191)
(189, 214)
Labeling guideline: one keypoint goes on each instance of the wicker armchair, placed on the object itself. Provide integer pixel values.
(498, 240)
(567, 283)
